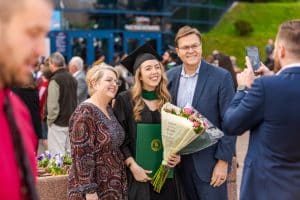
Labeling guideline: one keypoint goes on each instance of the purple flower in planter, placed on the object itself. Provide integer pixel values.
(58, 156)
(48, 154)
(58, 163)
(41, 157)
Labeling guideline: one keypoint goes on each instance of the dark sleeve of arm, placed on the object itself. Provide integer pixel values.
(82, 151)
(120, 113)
(245, 110)
(226, 145)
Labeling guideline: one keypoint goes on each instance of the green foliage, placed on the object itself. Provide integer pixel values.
(265, 19)
(243, 27)
(54, 165)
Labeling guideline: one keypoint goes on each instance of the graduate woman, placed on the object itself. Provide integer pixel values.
(142, 104)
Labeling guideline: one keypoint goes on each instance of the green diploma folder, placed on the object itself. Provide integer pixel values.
(149, 148)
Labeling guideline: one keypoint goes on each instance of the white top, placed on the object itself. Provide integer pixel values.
(288, 66)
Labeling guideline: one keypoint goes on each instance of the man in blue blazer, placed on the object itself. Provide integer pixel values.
(270, 109)
(209, 90)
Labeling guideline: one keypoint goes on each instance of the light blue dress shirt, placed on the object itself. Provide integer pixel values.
(187, 86)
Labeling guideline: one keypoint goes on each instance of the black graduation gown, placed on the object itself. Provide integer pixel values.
(123, 108)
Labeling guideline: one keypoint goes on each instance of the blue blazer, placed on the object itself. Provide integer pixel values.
(271, 110)
(213, 93)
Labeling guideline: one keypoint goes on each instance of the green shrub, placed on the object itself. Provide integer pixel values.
(243, 27)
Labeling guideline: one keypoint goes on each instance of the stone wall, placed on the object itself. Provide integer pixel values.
(52, 187)
(55, 187)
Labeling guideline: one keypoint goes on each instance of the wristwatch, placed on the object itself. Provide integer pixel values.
(242, 88)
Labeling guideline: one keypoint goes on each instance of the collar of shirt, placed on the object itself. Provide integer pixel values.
(76, 73)
(183, 74)
(288, 66)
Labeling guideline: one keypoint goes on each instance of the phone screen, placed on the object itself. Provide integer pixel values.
(253, 54)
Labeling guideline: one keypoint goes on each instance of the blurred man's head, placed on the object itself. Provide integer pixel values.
(75, 64)
(56, 61)
(287, 44)
(169, 56)
(23, 27)
(270, 41)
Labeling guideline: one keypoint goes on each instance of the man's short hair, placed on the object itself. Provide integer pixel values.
(77, 61)
(289, 33)
(57, 59)
(9, 8)
(187, 30)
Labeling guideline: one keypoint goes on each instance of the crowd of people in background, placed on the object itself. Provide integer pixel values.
(42, 76)
(94, 115)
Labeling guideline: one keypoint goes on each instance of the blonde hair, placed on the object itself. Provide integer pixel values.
(95, 73)
(136, 92)
(187, 30)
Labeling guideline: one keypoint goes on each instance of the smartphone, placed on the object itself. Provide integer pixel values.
(253, 55)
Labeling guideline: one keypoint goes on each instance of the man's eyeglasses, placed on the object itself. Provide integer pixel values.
(193, 47)
(116, 81)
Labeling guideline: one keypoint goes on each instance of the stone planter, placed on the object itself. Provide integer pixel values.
(55, 187)
(52, 187)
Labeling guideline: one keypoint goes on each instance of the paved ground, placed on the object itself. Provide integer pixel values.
(241, 148)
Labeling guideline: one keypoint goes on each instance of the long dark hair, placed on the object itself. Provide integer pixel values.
(225, 62)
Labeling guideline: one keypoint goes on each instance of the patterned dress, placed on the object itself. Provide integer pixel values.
(98, 164)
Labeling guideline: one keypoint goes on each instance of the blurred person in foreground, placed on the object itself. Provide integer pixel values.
(21, 45)
(98, 170)
(209, 90)
(269, 107)
(142, 104)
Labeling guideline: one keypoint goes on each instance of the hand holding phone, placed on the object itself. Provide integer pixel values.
(253, 55)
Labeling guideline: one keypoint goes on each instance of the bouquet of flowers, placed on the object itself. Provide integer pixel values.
(184, 131)
(54, 165)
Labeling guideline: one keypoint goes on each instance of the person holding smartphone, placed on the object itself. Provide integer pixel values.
(269, 107)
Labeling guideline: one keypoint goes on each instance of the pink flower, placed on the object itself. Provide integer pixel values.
(196, 124)
(192, 118)
(188, 111)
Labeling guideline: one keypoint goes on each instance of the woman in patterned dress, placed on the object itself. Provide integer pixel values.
(98, 170)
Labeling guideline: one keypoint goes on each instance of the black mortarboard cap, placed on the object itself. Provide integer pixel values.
(138, 56)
